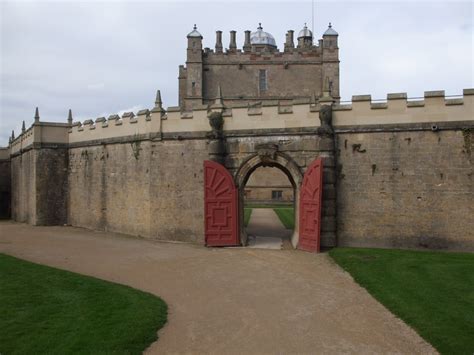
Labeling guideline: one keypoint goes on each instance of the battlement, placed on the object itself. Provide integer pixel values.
(40, 133)
(281, 115)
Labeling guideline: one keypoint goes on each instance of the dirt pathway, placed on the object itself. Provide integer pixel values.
(228, 300)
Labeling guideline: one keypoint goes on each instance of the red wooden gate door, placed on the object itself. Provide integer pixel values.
(310, 207)
(220, 206)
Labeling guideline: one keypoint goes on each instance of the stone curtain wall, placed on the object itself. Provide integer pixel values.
(39, 186)
(404, 169)
(23, 203)
(152, 189)
(51, 186)
(406, 189)
(5, 183)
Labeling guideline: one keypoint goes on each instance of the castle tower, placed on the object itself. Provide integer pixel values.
(330, 73)
(256, 71)
(305, 38)
(190, 78)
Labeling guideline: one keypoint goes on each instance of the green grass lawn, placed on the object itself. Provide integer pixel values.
(285, 213)
(431, 291)
(247, 214)
(46, 310)
(287, 216)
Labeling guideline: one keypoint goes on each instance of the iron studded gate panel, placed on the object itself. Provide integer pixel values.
(220, 206)
(310, 207)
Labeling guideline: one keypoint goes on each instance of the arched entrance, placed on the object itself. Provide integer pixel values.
(271, 159)
(224, 200)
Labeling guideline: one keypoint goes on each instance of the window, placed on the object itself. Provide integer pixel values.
(277, 195)
(262, 80)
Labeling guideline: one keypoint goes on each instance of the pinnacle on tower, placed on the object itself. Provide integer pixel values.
(69, 117)
(218, 102)
(37, 116)
(159, 104)
(313, 99)
(13, 134)
(23, 129)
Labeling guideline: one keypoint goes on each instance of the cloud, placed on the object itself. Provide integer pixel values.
(97, 57)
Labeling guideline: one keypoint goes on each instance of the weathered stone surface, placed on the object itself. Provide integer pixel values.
(152, 189)
(410, 189)
(5, 186)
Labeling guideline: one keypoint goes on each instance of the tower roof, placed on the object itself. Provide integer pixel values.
(330, 31)
(305, 32)
(262, 37)
(194, 32)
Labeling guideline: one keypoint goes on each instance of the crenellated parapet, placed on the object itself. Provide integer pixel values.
(435, 106)
(268, 116)
(281, 115)
(144, 123)
(39, 134)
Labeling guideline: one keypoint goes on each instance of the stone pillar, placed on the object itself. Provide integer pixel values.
(218, 41)
(247, 46)
(327, 148)
(233, 43)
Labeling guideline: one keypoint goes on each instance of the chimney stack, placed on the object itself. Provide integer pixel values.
(289, 44)
(232, 44)
(247, 45)
(218, 41)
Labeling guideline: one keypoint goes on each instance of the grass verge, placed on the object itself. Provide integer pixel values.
(46, 310)
(286, 216)
(433, 292)
(247, 214)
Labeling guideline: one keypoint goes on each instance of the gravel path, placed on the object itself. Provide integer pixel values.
(221, 301)
(265, 230)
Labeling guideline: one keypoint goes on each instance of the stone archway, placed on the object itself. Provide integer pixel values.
(267, 155)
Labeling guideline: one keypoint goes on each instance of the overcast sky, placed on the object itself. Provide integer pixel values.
(99, 58)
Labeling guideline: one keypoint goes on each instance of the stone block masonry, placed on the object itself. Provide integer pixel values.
(396, 174)
(5, 183)
(405, 190)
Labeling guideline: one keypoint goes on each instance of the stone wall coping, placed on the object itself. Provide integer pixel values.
(277, 114)
(356, 98)
(128, 114)
(397, 96)
(113, 117)
(437, 93)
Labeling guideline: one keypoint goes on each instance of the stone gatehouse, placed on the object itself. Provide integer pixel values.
(397, 173)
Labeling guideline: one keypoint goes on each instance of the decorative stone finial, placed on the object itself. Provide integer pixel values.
(37, 116)
(218, 102)
(23, 128)
(69, 117)
(259, 26)
(313, 99)
(195, 27)
(158, 102)
(159, 105)
(326, 92)
(13, 134)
